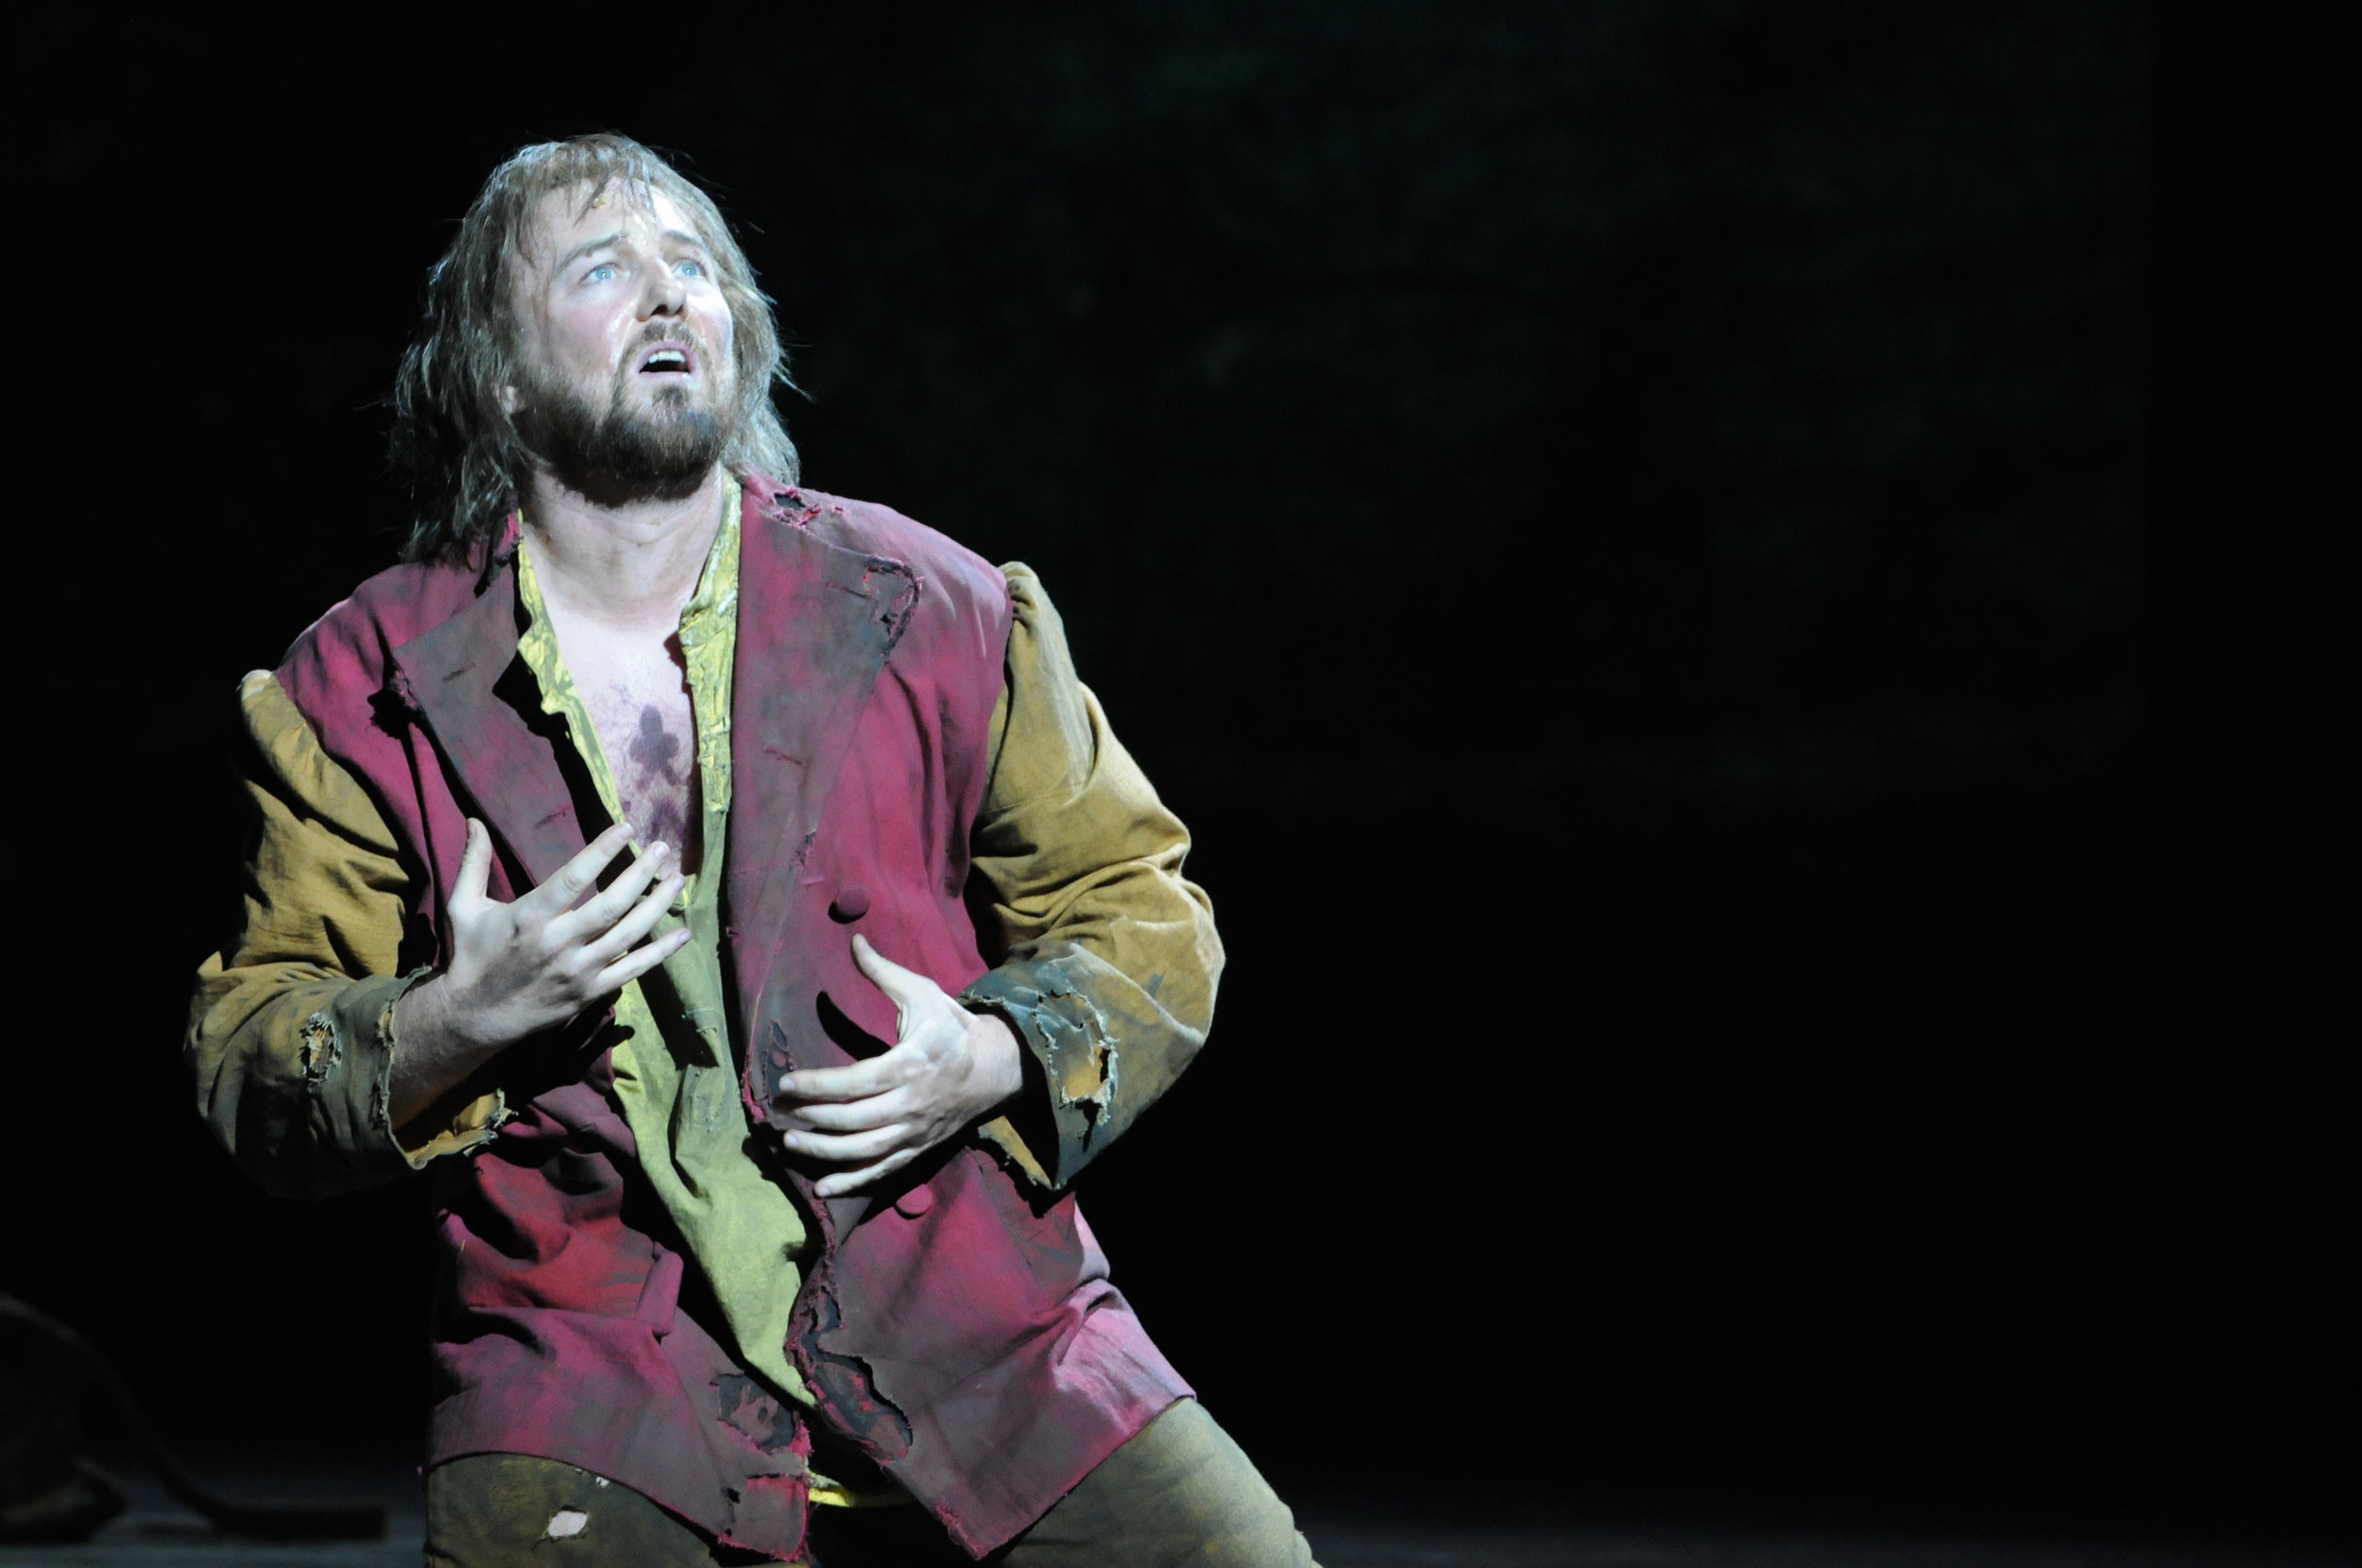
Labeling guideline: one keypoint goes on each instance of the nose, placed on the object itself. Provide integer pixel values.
(665, 295)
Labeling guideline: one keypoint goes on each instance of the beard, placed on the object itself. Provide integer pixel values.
(616, 455)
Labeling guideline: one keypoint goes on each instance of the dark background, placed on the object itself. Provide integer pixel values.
(1648, 540)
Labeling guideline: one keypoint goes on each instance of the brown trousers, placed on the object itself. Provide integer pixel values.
(1179, 1492)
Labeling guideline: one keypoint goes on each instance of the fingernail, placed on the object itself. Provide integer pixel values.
(787, 1083)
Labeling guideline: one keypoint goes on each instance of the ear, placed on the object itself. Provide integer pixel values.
(510, 400)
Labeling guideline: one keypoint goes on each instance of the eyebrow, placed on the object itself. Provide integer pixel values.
(586, 247)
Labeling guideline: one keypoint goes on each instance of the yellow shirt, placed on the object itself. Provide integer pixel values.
(677, 1075)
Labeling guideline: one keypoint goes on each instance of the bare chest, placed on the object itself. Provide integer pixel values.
(637, 697)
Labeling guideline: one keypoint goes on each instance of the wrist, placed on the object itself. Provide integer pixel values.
(418, 1012)
(431, 1020)
(999, 1056)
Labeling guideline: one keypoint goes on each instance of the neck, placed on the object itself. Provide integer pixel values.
(623, 565)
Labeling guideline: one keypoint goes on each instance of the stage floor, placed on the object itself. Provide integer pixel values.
(1345, 1532)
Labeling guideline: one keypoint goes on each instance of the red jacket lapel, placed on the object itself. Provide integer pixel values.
(465, 680)
(815, 623)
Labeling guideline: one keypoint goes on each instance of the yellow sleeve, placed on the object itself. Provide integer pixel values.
(1111, 956)
(290, 1039)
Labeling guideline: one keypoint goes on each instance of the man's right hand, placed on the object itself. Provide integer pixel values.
(517, 969)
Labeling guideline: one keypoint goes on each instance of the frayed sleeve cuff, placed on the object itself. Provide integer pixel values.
(347, 1050)
(1066, 1111)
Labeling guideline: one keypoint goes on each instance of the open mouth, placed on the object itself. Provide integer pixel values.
(666, 361)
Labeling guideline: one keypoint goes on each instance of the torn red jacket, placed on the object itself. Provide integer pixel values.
(957, 1327)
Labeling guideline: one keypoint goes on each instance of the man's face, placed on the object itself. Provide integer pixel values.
(627, 379)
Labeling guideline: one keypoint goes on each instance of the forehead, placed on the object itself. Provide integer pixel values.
(571, 216)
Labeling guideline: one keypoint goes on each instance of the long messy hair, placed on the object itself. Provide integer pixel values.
(455, 443)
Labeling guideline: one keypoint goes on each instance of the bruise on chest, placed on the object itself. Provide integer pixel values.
(645, 725)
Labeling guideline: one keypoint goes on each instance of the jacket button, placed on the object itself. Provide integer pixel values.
(850, 903)
(914, 1201)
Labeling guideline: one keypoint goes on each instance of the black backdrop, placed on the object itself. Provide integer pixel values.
(1632, 531)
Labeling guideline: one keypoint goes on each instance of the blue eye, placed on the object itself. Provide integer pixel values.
(693, 270)
(599, 273)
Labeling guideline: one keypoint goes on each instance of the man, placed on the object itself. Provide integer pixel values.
(728, 898)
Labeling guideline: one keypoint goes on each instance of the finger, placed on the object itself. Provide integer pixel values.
(594, 915)
(620, 900)
(905, 987)
(845, 1148)
(639, 961)
(887, 1070)
(475, 866)
(853, 1181)
(852, 1115)
(578, 876)
(636, 922)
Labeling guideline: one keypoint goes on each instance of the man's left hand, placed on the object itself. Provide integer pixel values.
(950, 1069)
